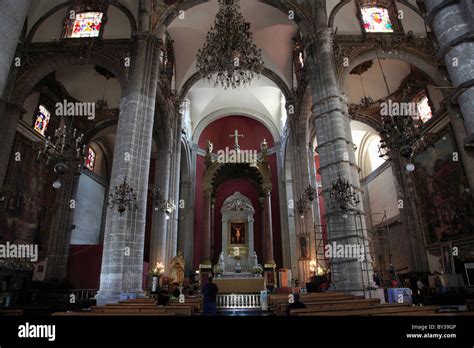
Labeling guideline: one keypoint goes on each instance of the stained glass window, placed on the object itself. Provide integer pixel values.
(85, 24)
(376, 20)
(90, 160)
(42, 120)
(424, 110)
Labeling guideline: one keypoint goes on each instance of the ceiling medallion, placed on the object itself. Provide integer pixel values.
(229, 57)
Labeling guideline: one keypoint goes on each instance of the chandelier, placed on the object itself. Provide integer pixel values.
(65, 148)
(309, 194)
(342, 194)
(123, 197)
(229, 57)
(162, 204)
(402, 135)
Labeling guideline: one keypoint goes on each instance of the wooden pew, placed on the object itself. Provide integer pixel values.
(145, 308)
(11, 312)
(99, 314)
(377, 310)
(346, 307)
(277, 302)
(281, 307)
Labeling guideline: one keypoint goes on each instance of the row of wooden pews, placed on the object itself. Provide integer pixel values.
(142, 307)
(341, 304)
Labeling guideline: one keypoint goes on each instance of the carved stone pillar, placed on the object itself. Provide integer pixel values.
(12, 18)
(268, 230)
(336, 150)
(206, 238)
(122, 261)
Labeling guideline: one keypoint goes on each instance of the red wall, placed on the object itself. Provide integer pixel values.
(218, 132)
(84, 266)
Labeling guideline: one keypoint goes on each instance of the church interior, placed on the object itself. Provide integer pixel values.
(309, 158)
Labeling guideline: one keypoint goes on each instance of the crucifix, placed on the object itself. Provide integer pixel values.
(236, 135)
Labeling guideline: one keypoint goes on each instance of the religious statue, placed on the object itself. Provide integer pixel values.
(209, 147)
(221, 263)
(255, 259)
(264, 147)
(237, 233)
(177, 268)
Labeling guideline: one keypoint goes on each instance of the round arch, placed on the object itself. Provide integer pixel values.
(52, 11)
(429, 69)
(302, 21)
(33, 76)
(216, 115)
(196, 77)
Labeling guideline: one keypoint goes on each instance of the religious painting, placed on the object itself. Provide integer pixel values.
(442, 189)
(42, 120)
(304, 247)
(237, 233)
(376, 20)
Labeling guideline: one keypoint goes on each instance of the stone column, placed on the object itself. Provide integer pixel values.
(8, 126)
(268, 230)
(452, 22)
(60, 231)
(159, 233)
(12, 19)
(336, 150)
(206, 238)
(174, 188)
(122, 261)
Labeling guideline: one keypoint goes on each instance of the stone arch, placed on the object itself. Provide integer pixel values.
(190, 82)
(29, 79)
(302, 21)
(342, 3)
(207, 120)
(429, 69)
(52, 11)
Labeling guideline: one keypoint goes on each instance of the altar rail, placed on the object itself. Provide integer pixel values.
(238, 301)
(83, 294)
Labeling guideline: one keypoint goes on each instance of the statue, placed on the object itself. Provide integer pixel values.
(177, 268)
(209, 147)
(255, 259)
(264, 147)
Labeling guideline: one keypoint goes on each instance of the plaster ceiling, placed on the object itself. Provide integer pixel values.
(272, 32)
(373, 81)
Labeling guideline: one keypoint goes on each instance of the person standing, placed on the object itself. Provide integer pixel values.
(209, 292)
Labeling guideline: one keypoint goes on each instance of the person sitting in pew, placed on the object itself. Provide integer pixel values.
(297, 304)
(163, 298)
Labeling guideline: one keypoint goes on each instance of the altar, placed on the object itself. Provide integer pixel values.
(240, 285)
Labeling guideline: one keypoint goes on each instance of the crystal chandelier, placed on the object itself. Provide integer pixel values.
(229, 57)
(123, 197)
(65, 148)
